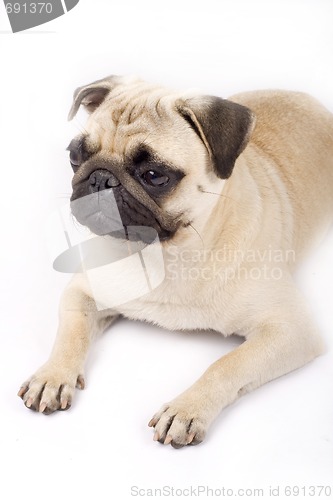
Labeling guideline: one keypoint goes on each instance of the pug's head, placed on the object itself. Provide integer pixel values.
(152, 155)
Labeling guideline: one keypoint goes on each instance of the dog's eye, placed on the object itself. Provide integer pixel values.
(156, 179)
(75, 160)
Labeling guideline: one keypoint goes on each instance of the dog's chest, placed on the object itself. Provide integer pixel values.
(166, 311)
(178, 306)
(176, 294)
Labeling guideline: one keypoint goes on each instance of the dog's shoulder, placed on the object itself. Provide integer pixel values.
(287, 120)
(275, 100)
(282, 108)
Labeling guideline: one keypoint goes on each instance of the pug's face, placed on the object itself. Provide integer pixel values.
(150, 157)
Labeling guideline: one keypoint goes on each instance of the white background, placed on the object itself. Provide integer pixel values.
(279, 435)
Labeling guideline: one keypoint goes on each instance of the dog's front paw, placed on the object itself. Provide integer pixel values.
(50, 389)
(179, 423)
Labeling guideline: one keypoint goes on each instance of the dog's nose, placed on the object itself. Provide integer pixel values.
(102, 179)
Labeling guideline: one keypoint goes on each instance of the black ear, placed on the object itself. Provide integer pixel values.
(91, 96)
(223, 126)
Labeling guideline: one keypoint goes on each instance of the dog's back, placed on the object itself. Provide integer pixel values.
(296, 132)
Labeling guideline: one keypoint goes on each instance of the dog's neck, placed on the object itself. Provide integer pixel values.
(233, 220)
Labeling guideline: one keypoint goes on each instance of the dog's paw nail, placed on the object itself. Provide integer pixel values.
(80, 383)
(156, 436)
(29, 402)
(42, 407)
(22, 391)
(168, 440)
(190, 438)
(64, 404)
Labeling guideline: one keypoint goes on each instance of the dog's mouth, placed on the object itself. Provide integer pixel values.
(102, 225)
(115, 212)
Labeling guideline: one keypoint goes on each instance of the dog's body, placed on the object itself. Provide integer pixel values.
(234, 218)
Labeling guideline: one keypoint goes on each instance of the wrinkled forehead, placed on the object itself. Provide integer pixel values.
(127, 122)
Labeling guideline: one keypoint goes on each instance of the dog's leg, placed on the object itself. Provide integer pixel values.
(52, 386)
(271, 349)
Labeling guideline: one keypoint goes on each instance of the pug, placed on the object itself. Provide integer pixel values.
(237, 191)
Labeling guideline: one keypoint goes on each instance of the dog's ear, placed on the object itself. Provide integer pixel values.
(223, 126)
(91, 96)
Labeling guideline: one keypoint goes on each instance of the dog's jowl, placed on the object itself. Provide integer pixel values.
(234, 192)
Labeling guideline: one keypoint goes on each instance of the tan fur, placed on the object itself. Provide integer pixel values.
(278, 198)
